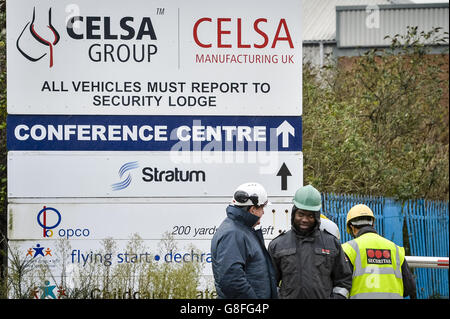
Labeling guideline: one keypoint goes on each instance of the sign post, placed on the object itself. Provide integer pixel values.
(142, 117)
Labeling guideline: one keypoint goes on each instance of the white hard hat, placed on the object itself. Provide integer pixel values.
(250, 194)
(330, 226)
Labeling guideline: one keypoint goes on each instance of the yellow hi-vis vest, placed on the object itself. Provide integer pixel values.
(376, 267)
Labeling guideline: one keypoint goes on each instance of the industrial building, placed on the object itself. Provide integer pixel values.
(336, 28)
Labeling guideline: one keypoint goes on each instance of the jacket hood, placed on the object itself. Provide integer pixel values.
(241, 215)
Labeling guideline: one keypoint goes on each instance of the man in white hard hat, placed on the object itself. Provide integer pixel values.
(241, 265)
(329, 226)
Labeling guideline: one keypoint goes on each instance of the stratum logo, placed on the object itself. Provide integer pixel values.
(125, 182)
(50, 42)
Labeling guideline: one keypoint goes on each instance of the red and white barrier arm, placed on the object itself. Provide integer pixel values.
(427, 262)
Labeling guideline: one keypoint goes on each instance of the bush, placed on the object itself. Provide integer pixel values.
(378, 124)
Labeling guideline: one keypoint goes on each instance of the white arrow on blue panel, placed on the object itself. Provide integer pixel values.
(285, 129)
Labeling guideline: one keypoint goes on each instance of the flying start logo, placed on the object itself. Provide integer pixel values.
(40, 38)
(39, 251)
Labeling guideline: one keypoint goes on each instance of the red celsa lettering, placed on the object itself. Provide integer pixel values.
(223, 31)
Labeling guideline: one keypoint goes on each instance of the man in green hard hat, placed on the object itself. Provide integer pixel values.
(309, 262)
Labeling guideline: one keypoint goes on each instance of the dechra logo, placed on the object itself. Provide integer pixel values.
(30, 27)
(122, 172)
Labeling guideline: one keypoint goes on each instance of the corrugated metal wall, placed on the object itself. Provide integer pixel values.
(366, 26)
(319, 17)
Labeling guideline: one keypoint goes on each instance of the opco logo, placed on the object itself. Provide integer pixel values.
(42, 221)
(49, 218)
(50, 42)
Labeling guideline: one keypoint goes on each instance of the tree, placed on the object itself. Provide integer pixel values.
(3, 195)
(379, 125)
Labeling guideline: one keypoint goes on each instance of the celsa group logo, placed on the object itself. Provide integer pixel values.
(51, 40)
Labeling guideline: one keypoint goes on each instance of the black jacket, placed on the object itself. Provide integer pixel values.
(310, 266)
(241, 265)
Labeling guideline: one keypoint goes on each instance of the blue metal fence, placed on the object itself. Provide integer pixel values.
(427, 228)
(336, 207)
(427, 224)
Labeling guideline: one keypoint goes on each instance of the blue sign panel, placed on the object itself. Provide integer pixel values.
(153, 133)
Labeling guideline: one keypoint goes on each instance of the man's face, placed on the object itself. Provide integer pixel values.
(257, 211)
(304, 220)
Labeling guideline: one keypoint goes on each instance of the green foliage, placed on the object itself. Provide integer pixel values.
(3, 194)
(2, 103)
(380, 126)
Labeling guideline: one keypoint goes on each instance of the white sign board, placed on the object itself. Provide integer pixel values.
(184, 221)
(150, 174)
(83, 252)
(153, 133)
(54, 267)
(141, 117)
(154, 57)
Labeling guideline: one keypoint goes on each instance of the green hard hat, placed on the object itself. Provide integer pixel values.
(308, 198)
